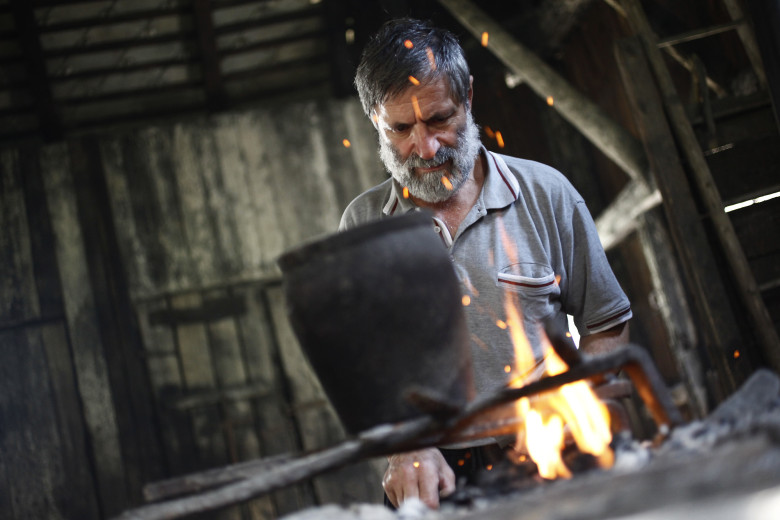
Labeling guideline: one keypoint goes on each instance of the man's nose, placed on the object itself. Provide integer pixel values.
(425, 142)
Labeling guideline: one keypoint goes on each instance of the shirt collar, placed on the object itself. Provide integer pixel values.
(499, 190)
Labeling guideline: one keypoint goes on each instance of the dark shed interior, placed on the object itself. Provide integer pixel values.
(157, 156)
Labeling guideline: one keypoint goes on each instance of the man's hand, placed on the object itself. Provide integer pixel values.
(423, 474)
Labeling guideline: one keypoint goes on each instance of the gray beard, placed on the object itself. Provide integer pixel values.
(429, 186)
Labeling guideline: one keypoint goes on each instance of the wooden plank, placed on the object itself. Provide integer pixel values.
(277, 431)
(117, 325)
(49, 123)
(167, 380)
(238, 416)
(76, 486)
(709, 294)
(317, 421)
(197, 368)
(89, 363)
(30, 445)
(18, 292)
(47, 277)
(745, 287)
(209, 55)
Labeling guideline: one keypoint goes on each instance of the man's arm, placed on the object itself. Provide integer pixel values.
(605, 341)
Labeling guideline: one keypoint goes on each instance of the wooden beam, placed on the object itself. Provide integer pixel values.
(745, 285)
(766, 23)
(216, 98)
(27, 30)
(621, 217)
(607, 135)
(745, 32)
(689, 236)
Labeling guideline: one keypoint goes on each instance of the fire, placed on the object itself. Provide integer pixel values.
(572, 410)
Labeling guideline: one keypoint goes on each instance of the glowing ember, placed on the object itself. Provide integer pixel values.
(484, 39)
(489, 132)
(508, 369)
(408, 44)
(466, 300)
(568, 334)
(431, 58)
(550, 100)
(500, 139)
(406, 192)
(416, 464)
(489, 467)
(736, 354)
(501, 324)
(461, 462)
(416, 106)
(447, 183)
(346, 143)
(414, 81)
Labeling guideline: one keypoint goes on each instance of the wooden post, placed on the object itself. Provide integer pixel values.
(613, 140)
(745, 282)
(688, 234)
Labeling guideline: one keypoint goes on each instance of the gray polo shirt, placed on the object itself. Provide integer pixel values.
(529, 239)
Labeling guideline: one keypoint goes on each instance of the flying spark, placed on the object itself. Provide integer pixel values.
(550, 100)
(500, 139)
(408, 44)
(406, 192)
(414, 81)
(446, 182)
(416, 106)
(431, 58)
(484, 39)
(346, 143)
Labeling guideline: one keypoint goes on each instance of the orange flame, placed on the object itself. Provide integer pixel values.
(572, 409)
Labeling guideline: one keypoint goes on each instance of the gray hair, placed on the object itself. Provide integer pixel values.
(388, 61)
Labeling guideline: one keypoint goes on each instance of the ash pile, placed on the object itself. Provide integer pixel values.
(726, 466)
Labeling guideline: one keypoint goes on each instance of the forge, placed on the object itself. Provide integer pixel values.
(733, 452)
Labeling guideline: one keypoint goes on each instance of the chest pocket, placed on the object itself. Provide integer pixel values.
(535, 284)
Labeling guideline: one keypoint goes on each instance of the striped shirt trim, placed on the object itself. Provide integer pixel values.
(611, 318)
(503, 177)
(525, 284)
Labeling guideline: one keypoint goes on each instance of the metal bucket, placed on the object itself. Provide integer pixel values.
(377, 310)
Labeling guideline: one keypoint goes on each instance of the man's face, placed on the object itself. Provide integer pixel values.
(427, 142)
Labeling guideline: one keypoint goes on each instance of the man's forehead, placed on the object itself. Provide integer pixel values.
(433, 95)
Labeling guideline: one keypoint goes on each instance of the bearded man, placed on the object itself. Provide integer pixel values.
(512, 226)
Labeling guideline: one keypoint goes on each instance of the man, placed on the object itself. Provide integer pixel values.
(512, 226)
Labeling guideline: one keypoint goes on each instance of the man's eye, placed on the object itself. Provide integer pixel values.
(400, 128)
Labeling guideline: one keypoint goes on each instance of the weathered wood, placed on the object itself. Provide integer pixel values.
(671, 302)
(709, 293)
(18, 294)
(87, 346)
(277, 429)
(117, 326)
(622, 216)
(166, 379)
(745, 32)
(319, 425)
(614, 141)
(30, 442)
(745, 285)
(198, 370)
(204, 29)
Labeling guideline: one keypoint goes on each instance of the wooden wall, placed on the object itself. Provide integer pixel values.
(142, 326)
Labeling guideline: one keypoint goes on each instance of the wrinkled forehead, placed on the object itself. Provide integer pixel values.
(435, 93)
